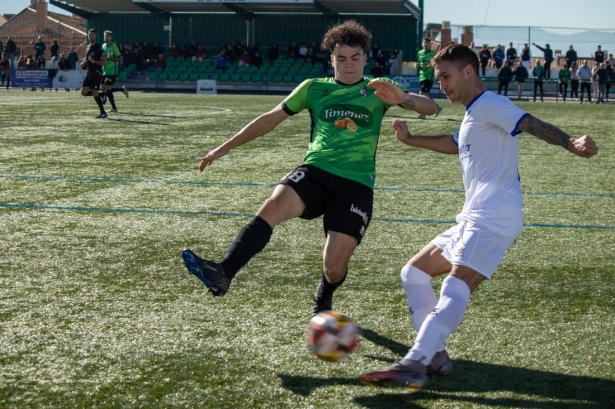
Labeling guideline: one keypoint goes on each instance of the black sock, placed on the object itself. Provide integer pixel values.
(250, 241)
(111, 98)
(98, 100)
(326, 289)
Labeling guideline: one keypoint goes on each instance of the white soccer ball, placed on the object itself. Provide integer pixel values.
(332, 335)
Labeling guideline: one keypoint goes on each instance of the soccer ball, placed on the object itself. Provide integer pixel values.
(332, 335)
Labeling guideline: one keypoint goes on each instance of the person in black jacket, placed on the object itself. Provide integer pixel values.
(571, 56)
(484, 56)
(520, 74)
(504, 76)
(548, 57)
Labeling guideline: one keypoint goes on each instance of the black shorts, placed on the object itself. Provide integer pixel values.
(426, 85)
(346, 205)
(92, 80)
(108, 80)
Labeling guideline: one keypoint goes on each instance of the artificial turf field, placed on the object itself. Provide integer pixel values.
(97, 310)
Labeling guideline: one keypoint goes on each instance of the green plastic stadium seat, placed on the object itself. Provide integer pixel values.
(173, 76)
(225, 78)
(123, 75)
(256, 78)
(276, 78)
(236, 77)
(153, 76)
(193, 77)
(288, 78)
(298, 78)
(163, 76)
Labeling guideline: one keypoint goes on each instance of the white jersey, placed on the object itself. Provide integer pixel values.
(489, 156)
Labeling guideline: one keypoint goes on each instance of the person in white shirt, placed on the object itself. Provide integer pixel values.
(491, 220)
(303, 50)
(585, 76)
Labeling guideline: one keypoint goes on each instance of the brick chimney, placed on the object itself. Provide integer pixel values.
(445, 34)
(467, 37)
(41, 14)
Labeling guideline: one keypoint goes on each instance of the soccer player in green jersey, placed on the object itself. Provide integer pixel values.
(426, 71)
(337, 177)
(111, 70)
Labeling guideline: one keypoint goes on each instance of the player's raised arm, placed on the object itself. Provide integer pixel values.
(393, 95)
(442, 143)
(583, 146)
(258, 127)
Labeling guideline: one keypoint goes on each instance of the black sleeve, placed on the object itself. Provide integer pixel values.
(288, 110)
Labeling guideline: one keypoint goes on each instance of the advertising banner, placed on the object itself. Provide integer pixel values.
(31, 79)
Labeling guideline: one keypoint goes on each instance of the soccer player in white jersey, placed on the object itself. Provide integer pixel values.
(491, 220)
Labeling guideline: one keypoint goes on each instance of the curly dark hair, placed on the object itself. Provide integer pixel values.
(350, 33)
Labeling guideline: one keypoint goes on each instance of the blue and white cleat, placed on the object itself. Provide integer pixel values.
(210, 273)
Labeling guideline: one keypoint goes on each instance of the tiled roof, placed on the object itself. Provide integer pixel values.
(23, 26)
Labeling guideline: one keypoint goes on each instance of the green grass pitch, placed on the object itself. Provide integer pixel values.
(97, 310)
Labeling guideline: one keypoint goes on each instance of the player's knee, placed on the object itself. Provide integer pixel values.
(334, 272)
(413, 275)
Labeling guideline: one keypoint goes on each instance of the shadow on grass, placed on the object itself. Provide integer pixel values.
(135, 122)
(152, 115)
(538, 389)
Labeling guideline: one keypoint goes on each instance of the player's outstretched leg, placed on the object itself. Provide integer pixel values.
(210, 273)
(125, 91)
(409, 374)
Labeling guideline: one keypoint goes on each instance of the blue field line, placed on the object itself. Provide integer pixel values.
(204, 183)
(235, 214)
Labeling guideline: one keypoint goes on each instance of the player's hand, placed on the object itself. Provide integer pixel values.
(401, 130)
(583, 146)
(389, 93)
(84, 64)
(210, 157)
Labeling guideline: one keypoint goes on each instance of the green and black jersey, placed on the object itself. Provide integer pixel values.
(426, 71)
(111, 67)
(346, 122)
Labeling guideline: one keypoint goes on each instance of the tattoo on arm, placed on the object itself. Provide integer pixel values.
(542, 130)
(407, 104)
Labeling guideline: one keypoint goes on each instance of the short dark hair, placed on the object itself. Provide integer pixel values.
(350, 33)
(92, 30)
(459, 54)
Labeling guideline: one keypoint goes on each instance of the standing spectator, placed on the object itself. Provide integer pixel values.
(526, 56)
(30, 63)
(376, 70)
(539, 74)
(73, 58)
(511, 55)
(571, 56)
(484, 56)
(548, 57)
(595, 83)
(505, 75)
(564, 79)
(257, 60)
(426, 72)
(611, 60)
(199, 54)
(64, 64)
(611, 73)
(5, 69)
(602, 76)
(473, 48)
(374, 52)
(498, 56)
(54, 49)
(574, 82)
(9, 51)
(520, 74)
(39, 48)
(599, 56)
(303, 50)
(585, 76)
(273, 53)
(245, 59)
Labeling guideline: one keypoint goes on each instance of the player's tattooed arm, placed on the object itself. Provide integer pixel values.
(542, 130)
(408, 104)
(584, 146)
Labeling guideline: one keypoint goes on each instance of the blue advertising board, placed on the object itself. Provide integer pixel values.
(410, 82)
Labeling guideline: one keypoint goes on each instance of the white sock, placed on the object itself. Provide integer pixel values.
(442, 322)
(419, 294)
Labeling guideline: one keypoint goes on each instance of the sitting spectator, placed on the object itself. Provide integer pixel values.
(273, 53)
(245, 59)
(155, 51)
(41, 63)
(64, 64)
(257, 60)
(376, 70)
(241, 48)
(192, 49)
(383, 57)
(183, 52)
(73, 57)
(293, 51)
(311, 55)
(174, 50)
(374, 52)
(22, 64)
(199, 54)
(221, 63)
(161, 61)
(393, 56)
(303, 50)
(386, 68)
(230, 54)
(53, 64)
(145, 53)
(30, 63)
(253, 49)
(221, 49)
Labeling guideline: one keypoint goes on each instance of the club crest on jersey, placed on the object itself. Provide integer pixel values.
(364, 91)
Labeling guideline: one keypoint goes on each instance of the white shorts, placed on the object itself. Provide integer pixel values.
(467, 244)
